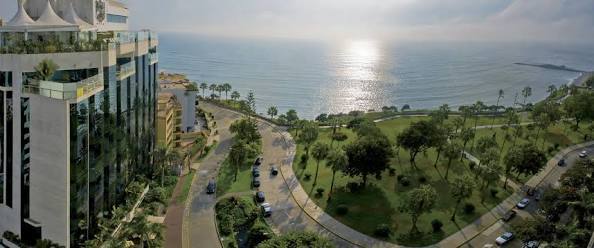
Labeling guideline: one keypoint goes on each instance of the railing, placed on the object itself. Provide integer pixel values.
(65, 91)
(153, 58)
(126, 70)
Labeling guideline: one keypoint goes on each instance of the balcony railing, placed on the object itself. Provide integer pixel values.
(65, 91)
(126, 70)
(153, 58)
(15, 43)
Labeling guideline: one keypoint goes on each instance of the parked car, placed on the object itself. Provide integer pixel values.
(256, 182)
(260, 196)
(504, 238)
(538, 195)
(583, 154)
(561, 162)
(256, 172)
(266, 209)
(211, 187)
(531, 244)
(531, 191)
(258, 161)
(523, 203)
(509, 215)
(273, 170)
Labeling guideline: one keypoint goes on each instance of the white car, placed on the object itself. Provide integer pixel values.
(523, 203)
(504, 238)
(531, 244)
(266, 209)
(583, 154)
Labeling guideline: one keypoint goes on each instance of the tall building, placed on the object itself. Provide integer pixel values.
(77, 115)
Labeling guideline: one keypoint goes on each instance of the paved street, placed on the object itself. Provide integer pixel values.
(550, 179)
(200, 230)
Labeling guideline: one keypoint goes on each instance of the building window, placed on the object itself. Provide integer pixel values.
(117, 18)
(2, 164)
(5, 79)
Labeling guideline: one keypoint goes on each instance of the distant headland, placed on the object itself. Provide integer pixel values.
(552, 67)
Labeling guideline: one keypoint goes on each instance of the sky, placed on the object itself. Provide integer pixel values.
(501, 20)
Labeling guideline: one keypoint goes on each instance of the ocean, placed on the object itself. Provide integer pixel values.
(333, 77)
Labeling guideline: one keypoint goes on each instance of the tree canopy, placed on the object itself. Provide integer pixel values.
(418, 137)
(368, 155)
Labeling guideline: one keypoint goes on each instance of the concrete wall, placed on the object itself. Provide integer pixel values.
(49, 187)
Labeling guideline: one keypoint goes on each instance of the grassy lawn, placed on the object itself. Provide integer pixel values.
(378, 202)
(227, 184)
(183, 195)
(553, 140)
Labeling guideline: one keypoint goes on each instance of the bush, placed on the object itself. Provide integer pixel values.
(468, 208)
(382, 230)
(472, 165)
(392, 171)
(307, 176)
(320, 191)
(225, 224)
(493, 192)
(437, 225)
(304, 158)
(399, 177)
(353, 187)
(405, 182)
(342, 210)
(422, 179)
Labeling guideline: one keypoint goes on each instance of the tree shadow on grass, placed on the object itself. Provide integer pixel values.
(367, 208)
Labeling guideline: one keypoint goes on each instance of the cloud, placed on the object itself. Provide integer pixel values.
(571, 20)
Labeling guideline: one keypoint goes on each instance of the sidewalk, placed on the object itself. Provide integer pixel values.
(174, 217)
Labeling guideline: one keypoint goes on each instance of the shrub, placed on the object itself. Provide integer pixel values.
(353, 187)
(472, 165)
(392, 171)
(493, 192)
(320, 191)
(468, 208)
(405, 182)
(422, 179)
(304, 158)
(437, 225)
(307, 176)
(225, 224)
(382, 230)
(399, 177)
(342, 210)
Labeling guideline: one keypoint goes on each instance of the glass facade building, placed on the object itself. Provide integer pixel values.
(72, 140)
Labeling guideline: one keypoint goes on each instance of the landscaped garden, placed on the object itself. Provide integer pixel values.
(241, 223)
(374, 208)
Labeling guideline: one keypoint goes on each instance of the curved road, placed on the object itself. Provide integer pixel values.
(288, 215)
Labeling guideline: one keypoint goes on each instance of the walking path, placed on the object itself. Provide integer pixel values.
(174, 216)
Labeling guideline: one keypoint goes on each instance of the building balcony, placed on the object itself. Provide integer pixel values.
(126, 70)
(153, 58)
(153, 39)
(15, 43)
(65, 91)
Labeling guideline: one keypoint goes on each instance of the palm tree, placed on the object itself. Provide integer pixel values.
(45, 69)
(478, 107)
(451, 152)
(235, 95)
(237, 157)
(203, 86)
(226, 87)
(159, 157)
(461, 189)
(526, 92)
(337, 161)
(212, 88)
(272, 111)
(220, 89)
(319, 152)
(501, 95)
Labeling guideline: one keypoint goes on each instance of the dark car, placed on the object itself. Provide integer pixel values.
(274, 170)
(255, 172)
(211, 187)
(258, 161)
(256, 182)
(561, 162)
(260, 196)
(531, 191)
(509, 215)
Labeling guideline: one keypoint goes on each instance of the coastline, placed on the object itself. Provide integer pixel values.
(581, 80)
